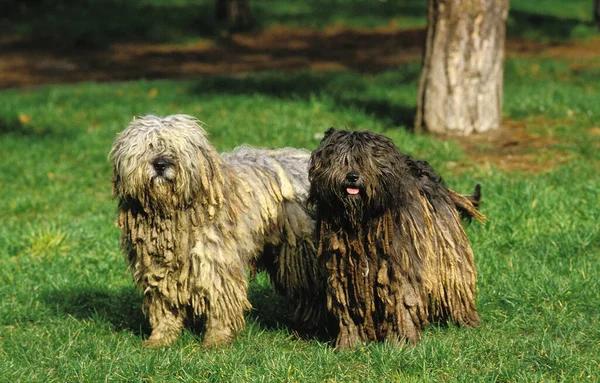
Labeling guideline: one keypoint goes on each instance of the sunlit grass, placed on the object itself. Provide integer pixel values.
(70, 312)
(68, 308)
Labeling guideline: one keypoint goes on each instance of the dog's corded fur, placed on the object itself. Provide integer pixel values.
(396, 256)
(191, 221)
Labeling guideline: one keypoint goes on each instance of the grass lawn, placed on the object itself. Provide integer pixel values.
(70, 312)
(93, 23)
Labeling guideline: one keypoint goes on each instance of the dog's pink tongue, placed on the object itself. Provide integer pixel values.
(352, 191)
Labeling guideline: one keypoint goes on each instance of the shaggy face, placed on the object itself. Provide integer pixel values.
(357, 174)
(162, 162)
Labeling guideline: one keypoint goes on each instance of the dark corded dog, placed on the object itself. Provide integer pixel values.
(395, 253)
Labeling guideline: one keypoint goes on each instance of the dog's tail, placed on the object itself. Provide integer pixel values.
(468, 205)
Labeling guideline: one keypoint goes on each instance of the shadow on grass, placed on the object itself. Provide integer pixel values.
(269, 309)
(272, 312)
(392, 114)
(530, 25)
(121, 308)
(30, 131)
(96, 23)
(320, 13)
(85, 24)
(347, 90)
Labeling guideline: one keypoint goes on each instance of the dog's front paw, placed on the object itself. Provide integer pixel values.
(154, 343)
(161, 338)
(217, 337)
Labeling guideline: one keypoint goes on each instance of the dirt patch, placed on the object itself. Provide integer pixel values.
(582, 55)
(276, 48)
(571, 50)
(514, 147)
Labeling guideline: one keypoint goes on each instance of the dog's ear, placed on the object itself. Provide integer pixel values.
(329, 132)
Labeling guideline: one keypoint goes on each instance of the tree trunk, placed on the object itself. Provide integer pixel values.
(235, 12)
(460, 88)
(597, 13)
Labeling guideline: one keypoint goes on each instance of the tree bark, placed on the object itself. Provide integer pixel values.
(235, 12)
(460, 88)
(597, 13)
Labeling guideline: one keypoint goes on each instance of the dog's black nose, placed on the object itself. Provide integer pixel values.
(352, 176)
(160, 164)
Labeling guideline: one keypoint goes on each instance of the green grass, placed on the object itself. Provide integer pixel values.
(70, 312)
(68, 308)
(83, 24)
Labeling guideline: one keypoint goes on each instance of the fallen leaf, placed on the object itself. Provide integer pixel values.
(24, 118)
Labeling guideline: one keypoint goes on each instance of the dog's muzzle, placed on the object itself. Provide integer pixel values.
(161, 165)
(352, 186)
(162, 170)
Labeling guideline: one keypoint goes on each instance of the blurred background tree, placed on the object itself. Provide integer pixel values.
(460, 88)
(236, 13)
